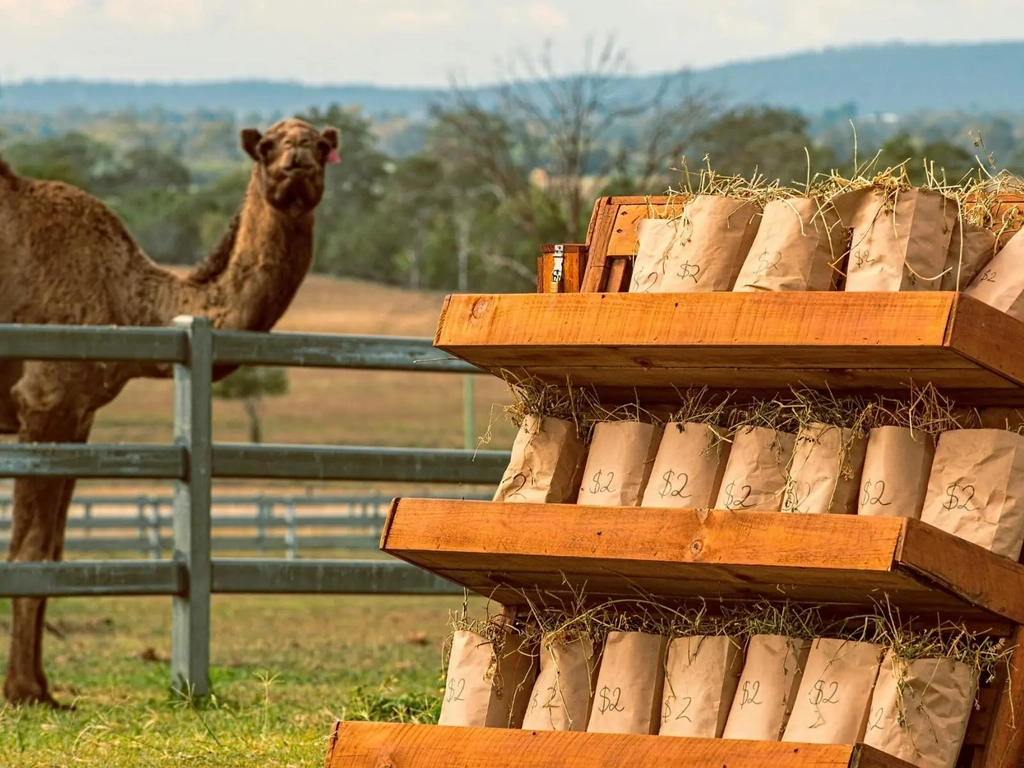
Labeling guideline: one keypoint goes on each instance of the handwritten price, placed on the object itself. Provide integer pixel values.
(688, 270)
(610, 700)
(818, 696)
(873, 493)
(670, 488)
(954, 500)
(666, 712)
(455, 689)
(731, 500)
(748, 694)
(602, 485)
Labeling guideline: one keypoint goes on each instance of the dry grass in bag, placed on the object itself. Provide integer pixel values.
(692, 455)
(761, 448)
(549, 452)
(490, 673)
(621, 457)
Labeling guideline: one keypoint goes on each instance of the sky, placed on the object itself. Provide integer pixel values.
(426, 42)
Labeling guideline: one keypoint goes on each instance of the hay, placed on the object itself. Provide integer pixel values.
(533, 397)
(925, 409)
(783, 618)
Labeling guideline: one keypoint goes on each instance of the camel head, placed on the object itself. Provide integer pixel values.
(290, 162)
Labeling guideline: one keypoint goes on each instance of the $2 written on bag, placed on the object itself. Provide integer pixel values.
(897, 465)
(483, 689)
(767, 687)
(976, 489)
(755, 473)
(688, 468)
(701, 675)
(824, 474)
(619, 463)
(629, 684)
(563, 691)
(831, 706)
(546, 464)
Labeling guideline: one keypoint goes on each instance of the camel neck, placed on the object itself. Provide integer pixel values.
(270, 254)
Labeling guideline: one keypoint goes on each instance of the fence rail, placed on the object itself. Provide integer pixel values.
(295, 524)
(192, 575)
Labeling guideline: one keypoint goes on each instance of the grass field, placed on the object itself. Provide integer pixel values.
(283, 668)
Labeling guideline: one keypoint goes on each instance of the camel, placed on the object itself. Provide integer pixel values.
(65, 258)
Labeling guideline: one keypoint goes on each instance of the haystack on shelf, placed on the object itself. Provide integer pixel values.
(646, 348)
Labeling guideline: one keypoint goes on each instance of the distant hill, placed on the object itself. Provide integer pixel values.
(893, 77)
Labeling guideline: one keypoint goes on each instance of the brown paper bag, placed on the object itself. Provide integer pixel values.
(767, 687)
(627, 696)
(546, 465)
(716, 233)
(831, 706)
(899, 244)
(688, 469)
(484, 692)
(701, 676)
(824, 474)
(933, 699)
(970, 249)
(755, 473)
(797, 243)
(897, 465)
(563, 691)
(976, 489)
(659, 245)
(1001, 283)
(619, 464)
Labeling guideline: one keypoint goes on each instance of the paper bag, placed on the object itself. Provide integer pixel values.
(563, 691)
(716, 233)
(701, 676)
(831, 706)
(755, 473)
(688, 469)
(976, 489)
(899, 243)
(796, 247)
(920, 710)
(1001, 283)
(483, 691)
(659, 245)
(824, 474)
(546, 465)
(897, 465)
(767, 688)
(627, 696)
(619, 464)
(970, 249)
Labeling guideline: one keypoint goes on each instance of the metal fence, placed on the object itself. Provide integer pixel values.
(256, 524)
(192, 575)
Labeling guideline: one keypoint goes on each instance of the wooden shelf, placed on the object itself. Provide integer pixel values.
(375, 745)
(621, 342)
(548, 552)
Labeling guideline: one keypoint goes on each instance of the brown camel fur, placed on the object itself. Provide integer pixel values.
(65, 258)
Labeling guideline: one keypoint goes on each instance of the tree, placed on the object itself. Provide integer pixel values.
(250, 384)
(573, 127)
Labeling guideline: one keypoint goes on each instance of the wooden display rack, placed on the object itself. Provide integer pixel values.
(590, 333)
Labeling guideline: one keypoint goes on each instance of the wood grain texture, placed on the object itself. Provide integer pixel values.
(1005, 747)
(386, 745)
(848, 342)
(511, 551)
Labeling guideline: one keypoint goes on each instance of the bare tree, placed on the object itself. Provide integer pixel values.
(565, 125)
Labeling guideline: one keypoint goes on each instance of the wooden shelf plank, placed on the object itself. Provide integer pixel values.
(373, 745)
(850, 341)
(548, 552)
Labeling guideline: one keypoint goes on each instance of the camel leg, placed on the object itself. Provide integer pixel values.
(39, 514)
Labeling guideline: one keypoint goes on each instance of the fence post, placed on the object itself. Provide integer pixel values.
(190, 618)
(291, 541)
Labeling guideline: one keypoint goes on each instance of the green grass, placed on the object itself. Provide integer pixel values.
(283, 668)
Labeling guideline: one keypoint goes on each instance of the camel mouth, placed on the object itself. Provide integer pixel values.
(299, 171)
